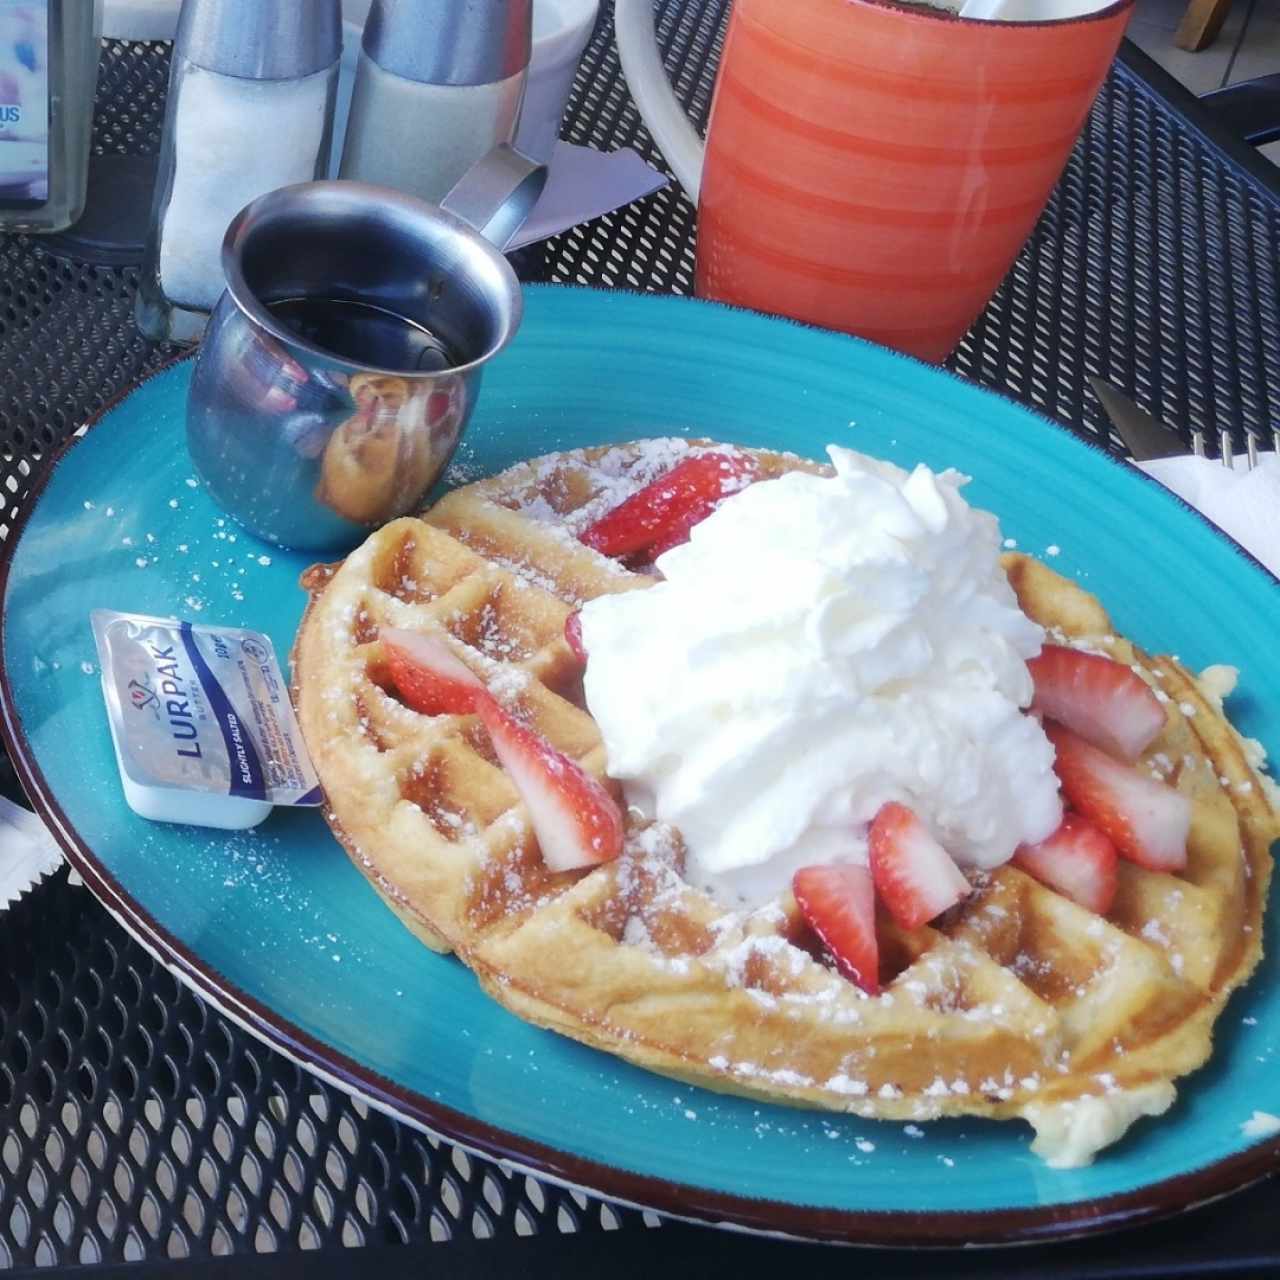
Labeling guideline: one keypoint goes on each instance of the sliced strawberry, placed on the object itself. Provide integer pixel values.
(1078, 860)
(1103, 701)
(839, 902)
(1147, 820)
(573, 636)
(663, 512)
(428, 676)
(913, 873)
(576, 820)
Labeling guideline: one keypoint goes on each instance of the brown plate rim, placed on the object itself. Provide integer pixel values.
(903, 1229)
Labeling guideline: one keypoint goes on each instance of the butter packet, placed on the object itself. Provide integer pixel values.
(200, 717)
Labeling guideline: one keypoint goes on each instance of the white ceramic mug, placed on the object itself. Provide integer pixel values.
(561, 29)
(662, 112)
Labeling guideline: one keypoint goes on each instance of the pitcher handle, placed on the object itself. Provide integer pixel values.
(497, 194)
(659, 107)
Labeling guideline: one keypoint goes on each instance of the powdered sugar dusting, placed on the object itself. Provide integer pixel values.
(612, 477)
(1262, 1124)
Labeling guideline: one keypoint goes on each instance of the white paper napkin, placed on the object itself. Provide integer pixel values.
(1245, 504)
(27, 851)
(582, 184)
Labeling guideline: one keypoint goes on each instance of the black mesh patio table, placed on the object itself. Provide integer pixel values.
(137, 1124)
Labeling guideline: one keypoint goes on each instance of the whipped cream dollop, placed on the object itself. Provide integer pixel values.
(819, 647)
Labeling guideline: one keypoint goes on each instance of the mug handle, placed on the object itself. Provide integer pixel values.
(497, 194)
(659, 107)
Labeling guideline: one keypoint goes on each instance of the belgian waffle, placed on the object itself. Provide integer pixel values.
(1017, 1003)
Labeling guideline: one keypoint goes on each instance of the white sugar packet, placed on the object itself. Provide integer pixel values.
(28, 852)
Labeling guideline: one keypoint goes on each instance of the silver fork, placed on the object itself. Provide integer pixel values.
(1226, 447)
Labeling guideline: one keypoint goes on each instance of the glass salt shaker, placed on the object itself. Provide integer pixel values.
(439, 84)
(48, 75)
(251, 98)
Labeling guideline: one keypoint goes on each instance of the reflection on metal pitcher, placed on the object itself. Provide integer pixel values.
(378, 463)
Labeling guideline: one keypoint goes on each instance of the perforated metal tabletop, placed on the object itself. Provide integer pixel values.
(137, 1123)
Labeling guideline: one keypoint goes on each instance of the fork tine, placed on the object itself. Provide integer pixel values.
(1226, 448)
(1251, 450)
(1197, 441)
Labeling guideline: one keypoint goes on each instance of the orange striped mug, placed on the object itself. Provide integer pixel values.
(873, 167)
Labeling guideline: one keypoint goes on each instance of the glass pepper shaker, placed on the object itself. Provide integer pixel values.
(439, 84)
(48, 75)
(251, 97)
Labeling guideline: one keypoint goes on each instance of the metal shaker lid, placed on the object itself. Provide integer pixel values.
(450, 41)
(261, 39)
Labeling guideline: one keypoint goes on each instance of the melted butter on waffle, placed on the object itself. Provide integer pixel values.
(1017, 1003)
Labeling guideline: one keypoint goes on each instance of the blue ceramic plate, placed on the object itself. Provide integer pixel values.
(281, 931)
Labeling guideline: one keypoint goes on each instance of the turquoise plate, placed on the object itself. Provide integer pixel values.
(277, 928)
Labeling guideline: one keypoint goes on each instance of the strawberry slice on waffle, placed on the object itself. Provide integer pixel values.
(427, 675)
(573, 636)
(1105, 702)
(1077, 860)
(577, 822)
(661, 515)
(914, 875)
(1148, 821)
(838, 900)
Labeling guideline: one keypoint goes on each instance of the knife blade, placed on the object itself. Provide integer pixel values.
(1146, 437)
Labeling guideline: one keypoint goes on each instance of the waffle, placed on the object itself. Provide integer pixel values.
(1017, 1003)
